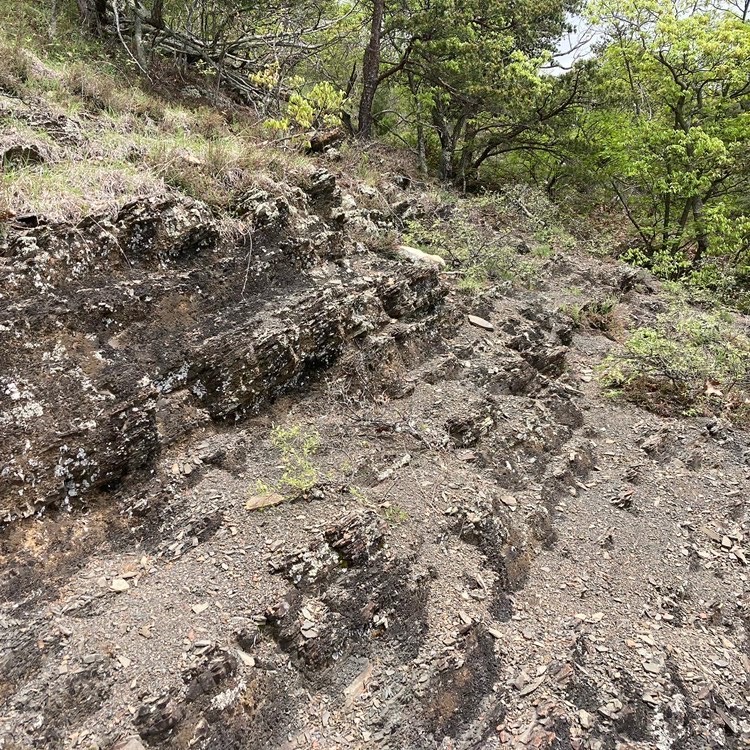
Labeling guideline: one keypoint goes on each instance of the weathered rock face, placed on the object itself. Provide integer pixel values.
(467, 569)
(122, 334)
(20, 153)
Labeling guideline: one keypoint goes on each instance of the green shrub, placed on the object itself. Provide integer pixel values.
(469, 236)
(689, 362)
(551, 239)
(599, 314)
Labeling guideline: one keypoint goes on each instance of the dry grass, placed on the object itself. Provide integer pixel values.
(124, 154)
(104, 92)
(210, 170)
(376, 161)
(69, 190)
(15, 68)
(6, 212)
(131, 141)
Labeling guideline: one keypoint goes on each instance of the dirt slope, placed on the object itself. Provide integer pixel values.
(463, 543)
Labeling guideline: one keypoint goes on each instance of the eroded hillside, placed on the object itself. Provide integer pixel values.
(269, 482)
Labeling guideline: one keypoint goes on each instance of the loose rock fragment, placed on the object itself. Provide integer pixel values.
(509, 500)
(263, 501)
(129, 743)
(475, 320)
(419, 256)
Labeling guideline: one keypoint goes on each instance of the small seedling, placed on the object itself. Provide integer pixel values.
(394, 514)
(296, 446)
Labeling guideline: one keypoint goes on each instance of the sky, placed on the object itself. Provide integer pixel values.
(574, 46)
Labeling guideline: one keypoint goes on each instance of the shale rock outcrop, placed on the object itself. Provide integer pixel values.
(123, 333)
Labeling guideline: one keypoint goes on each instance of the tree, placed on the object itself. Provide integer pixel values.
(232, 39)
(93, 14)
(371, 69)
(675, 95)
(472, 72)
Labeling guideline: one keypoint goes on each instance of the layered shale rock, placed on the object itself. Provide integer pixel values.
(122, 334)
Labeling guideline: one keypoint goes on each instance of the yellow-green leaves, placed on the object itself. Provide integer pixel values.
(675, 78)
(310, 109)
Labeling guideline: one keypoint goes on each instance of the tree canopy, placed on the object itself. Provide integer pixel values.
(656, 119)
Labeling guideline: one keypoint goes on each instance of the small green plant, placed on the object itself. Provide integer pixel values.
(574, 312)
(468, 237)
(598, 314)
(713, 287)
(543, 251)
(692, 362)
(394, 514)
(358, 494)
(296, 447)
(472, 282)
(551, 239)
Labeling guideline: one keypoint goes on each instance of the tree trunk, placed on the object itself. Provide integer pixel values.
(421, 148)
(157, 15)
(467, 174)
(700, 230)
(421, 136)
(681, 226)
(138, 12)
(445, 170)
(53, 19)
(667, 219)
(371, 70)
(94, 14)
(455, 140)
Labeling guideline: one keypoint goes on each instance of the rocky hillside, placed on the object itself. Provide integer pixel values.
(268, 479)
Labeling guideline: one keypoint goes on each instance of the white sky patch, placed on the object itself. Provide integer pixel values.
(574, 46)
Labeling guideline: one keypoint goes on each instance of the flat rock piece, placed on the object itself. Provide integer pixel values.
(475, 320)
(129, 743)
(263, 501)
(509, 500)
(419, 256)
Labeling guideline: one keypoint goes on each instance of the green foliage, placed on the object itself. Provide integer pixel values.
(358, 494)
(599, 314)
(688, 361)
(310, 108)
(468, 237)
(474, 76)
(296, 446)
(552, 238)
(394, 514)
(669, 134)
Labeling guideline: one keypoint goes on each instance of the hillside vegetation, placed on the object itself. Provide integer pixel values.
(651, 127)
